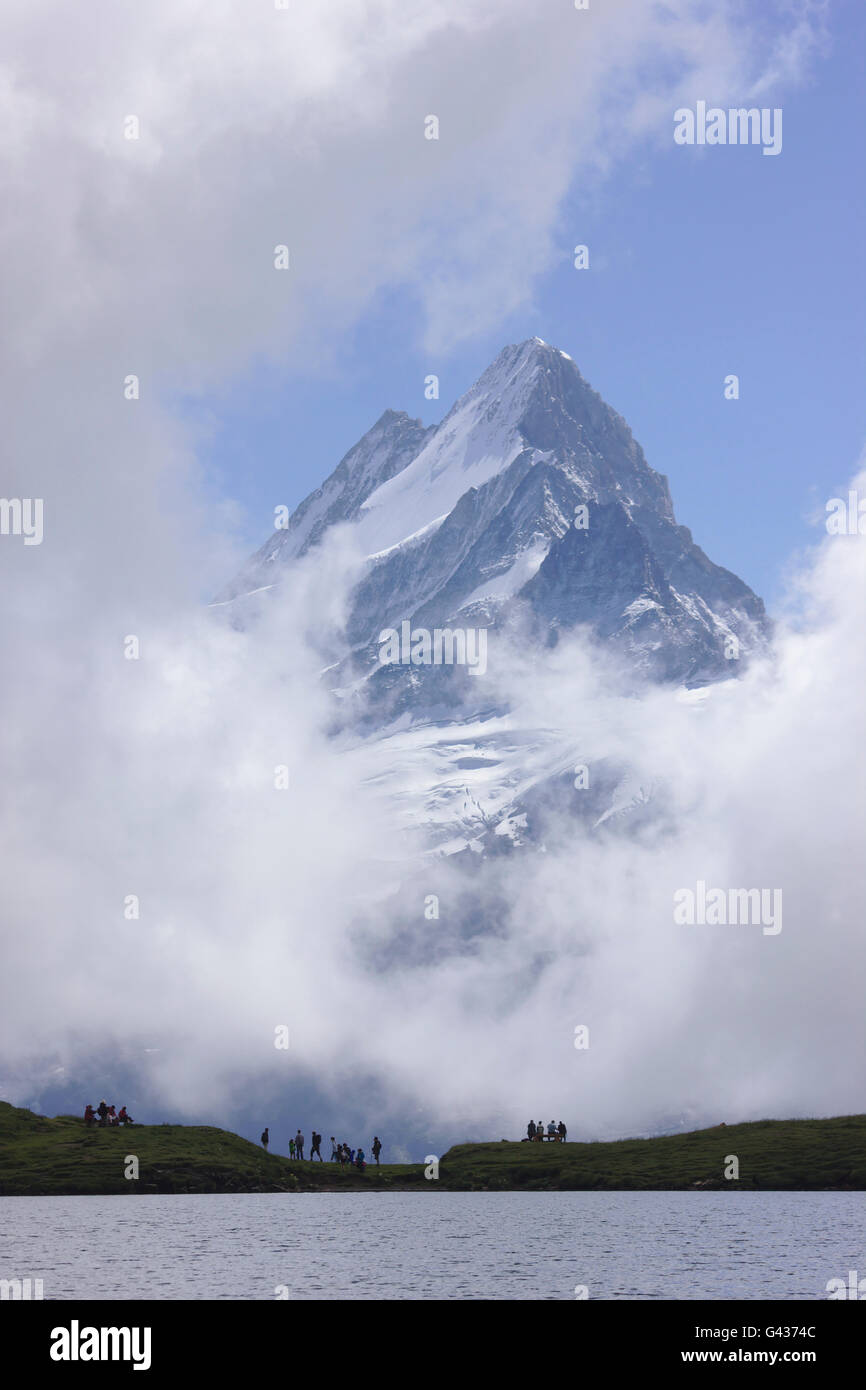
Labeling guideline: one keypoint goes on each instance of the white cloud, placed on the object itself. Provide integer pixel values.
(153, 777)
(761, 783)
(258, 905)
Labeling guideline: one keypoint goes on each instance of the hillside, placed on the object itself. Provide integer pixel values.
(53, 1157)
(788, 1155)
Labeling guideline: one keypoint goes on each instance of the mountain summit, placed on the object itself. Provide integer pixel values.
(530, 500)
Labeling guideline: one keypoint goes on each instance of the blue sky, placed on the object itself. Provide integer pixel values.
(703, 262)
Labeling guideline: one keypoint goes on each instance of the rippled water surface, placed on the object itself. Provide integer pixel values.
(498, 1245)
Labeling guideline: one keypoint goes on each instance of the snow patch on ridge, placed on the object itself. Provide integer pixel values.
(478, 439)
(509, 582)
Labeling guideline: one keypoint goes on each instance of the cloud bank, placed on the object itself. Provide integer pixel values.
(155, 778)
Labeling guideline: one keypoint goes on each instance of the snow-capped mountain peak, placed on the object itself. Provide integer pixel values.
(531, 495)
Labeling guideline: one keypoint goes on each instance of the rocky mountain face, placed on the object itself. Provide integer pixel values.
(386, 449)
(530, 512)
(531, 502)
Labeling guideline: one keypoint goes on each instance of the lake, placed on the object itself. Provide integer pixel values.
(459, 1245)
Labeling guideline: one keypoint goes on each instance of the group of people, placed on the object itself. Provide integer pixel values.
(340, 1153)
(105, 1115)
(296, 1146)
(554, 1131)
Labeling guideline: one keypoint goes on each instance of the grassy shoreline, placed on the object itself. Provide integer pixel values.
(62, 1157)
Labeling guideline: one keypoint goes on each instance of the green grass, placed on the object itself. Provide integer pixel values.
(773, 1154)
(53, 1157)
(44, 1157)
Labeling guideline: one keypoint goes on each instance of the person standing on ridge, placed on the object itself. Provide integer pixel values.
(530, 1131)
(291, 1148)
(315, 1142)
(266, 1138)
(377, 1148)
(299, 1144)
